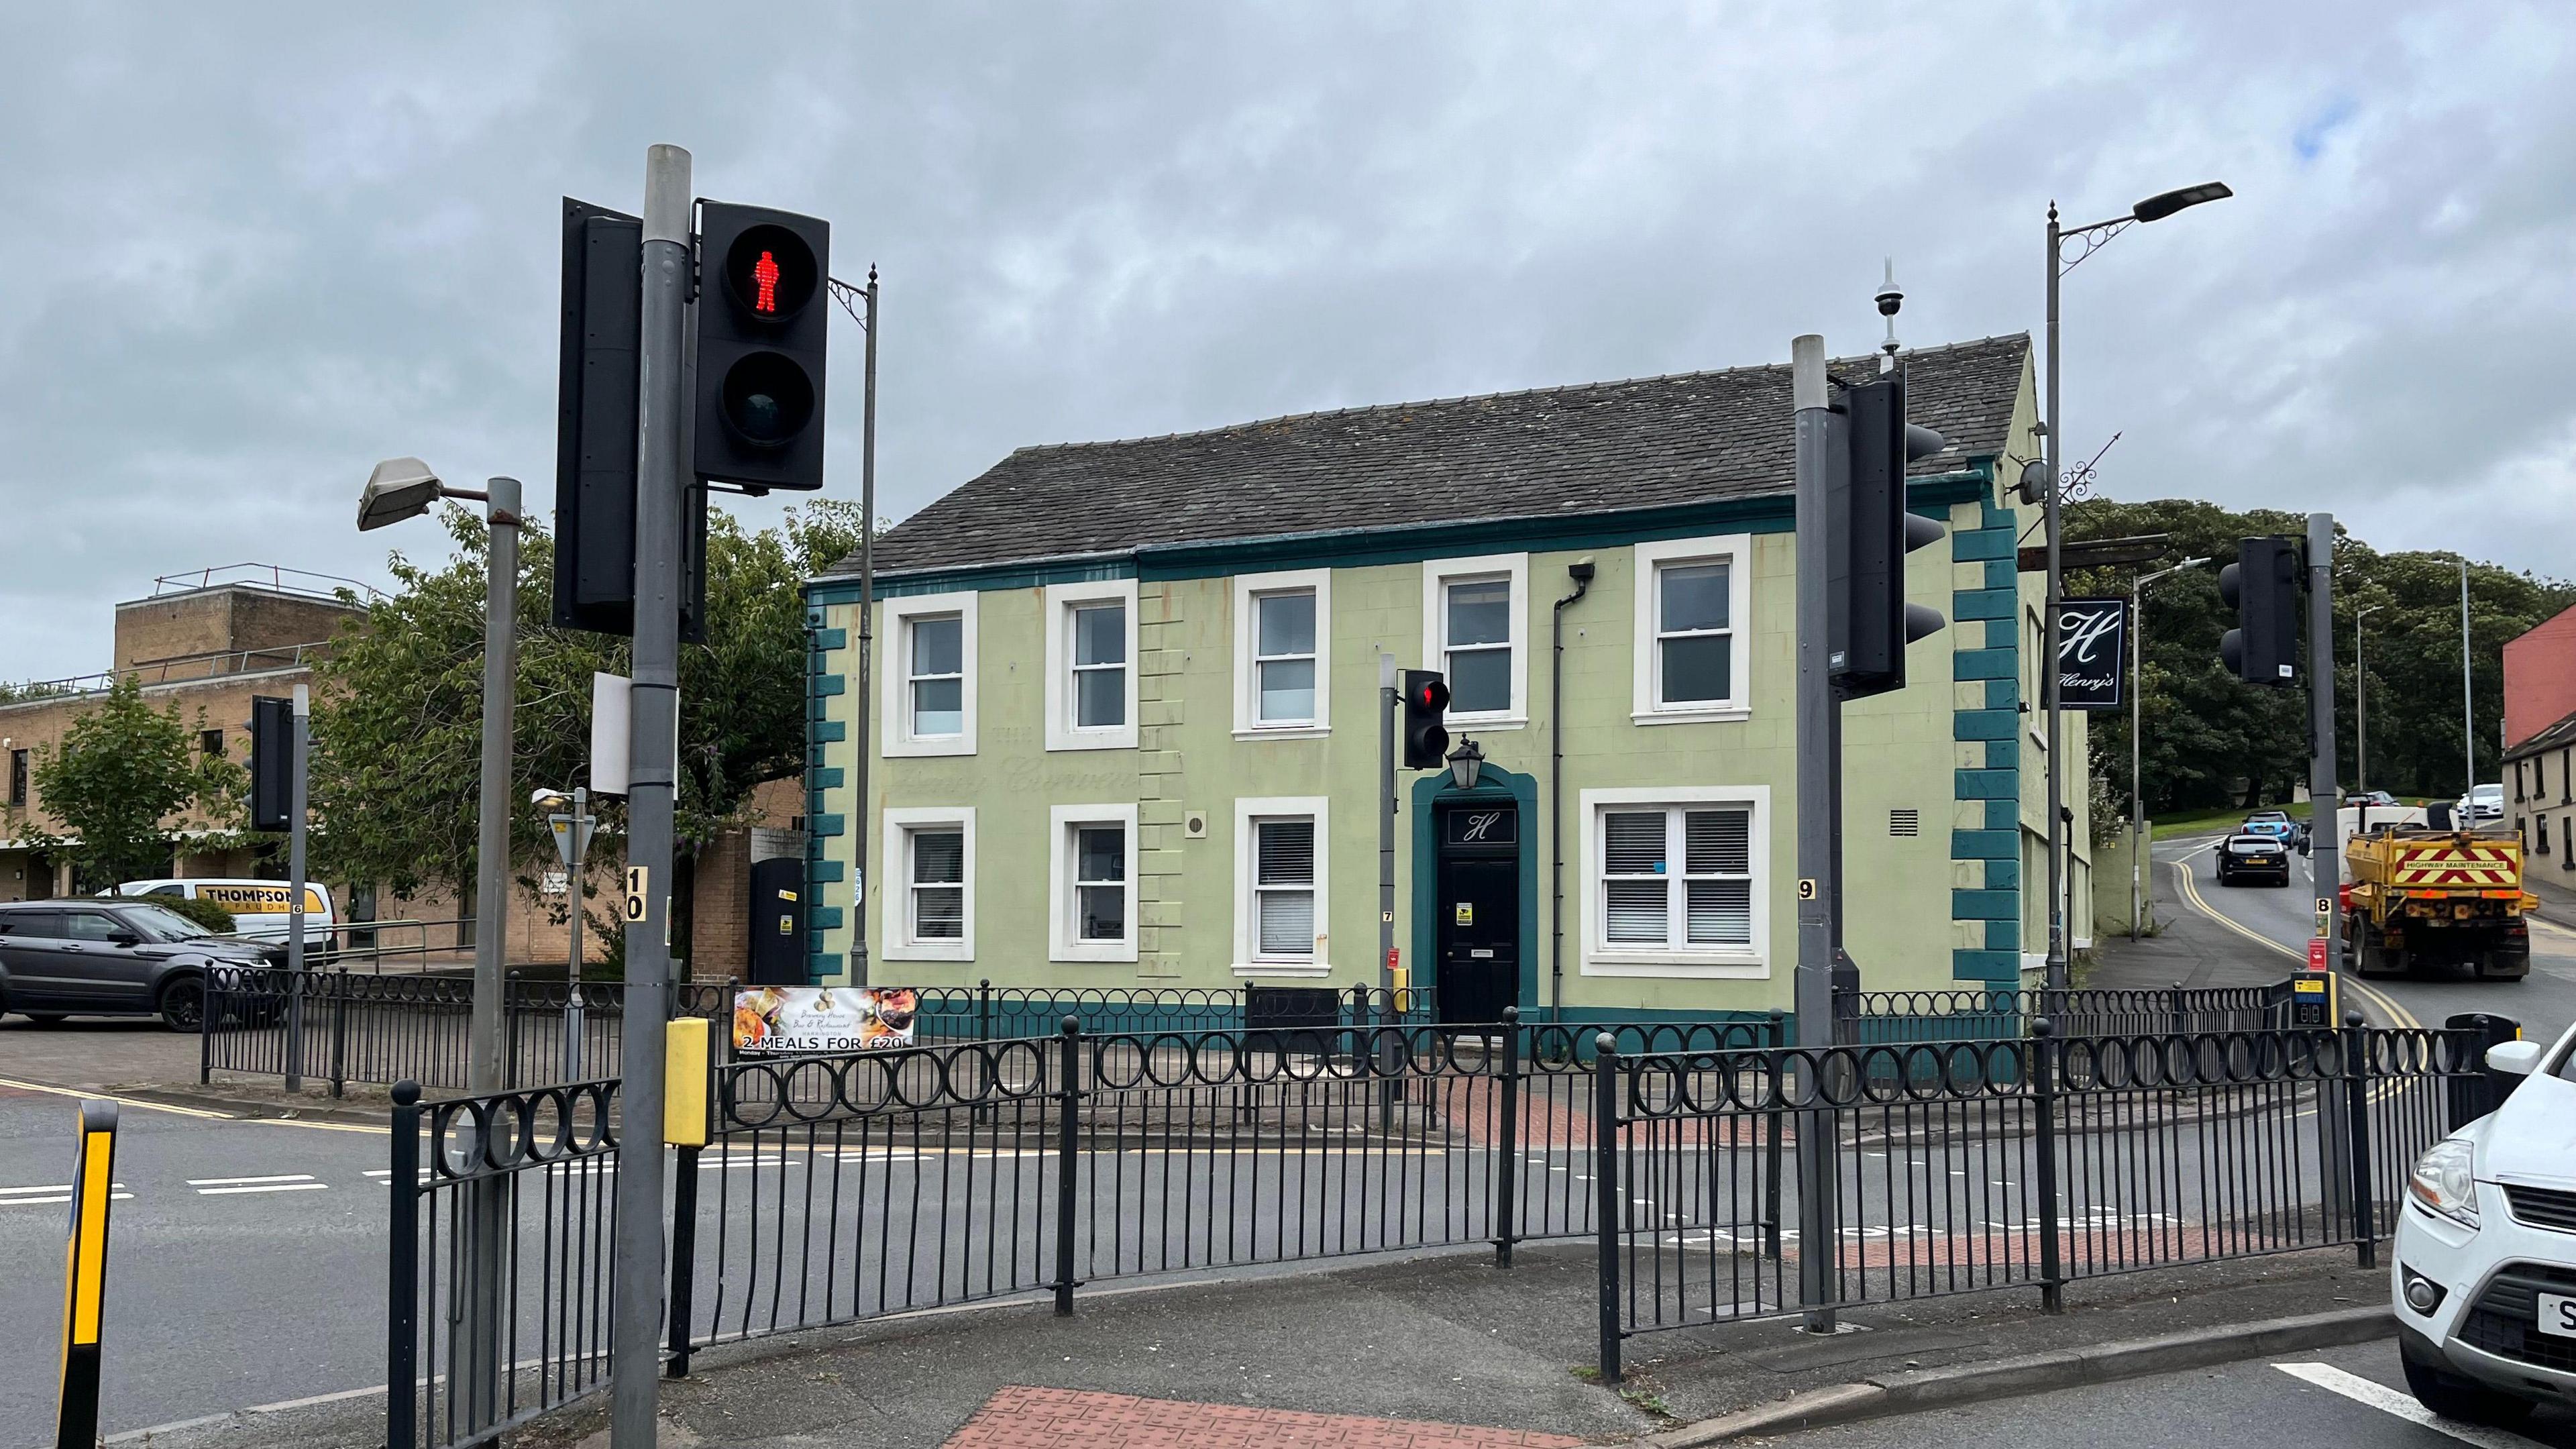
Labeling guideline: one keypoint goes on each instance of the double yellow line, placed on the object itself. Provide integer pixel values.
(2397, 1015)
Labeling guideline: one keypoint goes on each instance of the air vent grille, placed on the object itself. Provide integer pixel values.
(1905, 824)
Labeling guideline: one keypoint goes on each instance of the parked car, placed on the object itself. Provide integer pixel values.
(2376, 800)
(2484, 803)
(110, 957)
(2253, 857)
(2275, 823)
(260, 907)
(2485, 1270)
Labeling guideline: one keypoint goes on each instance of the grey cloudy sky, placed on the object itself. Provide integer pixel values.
(251, 249)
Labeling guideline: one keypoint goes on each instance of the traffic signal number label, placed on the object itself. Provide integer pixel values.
(639, 880)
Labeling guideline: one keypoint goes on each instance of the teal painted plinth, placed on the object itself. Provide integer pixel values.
(1982, 603)
(1985, 905)
(2003, 694)
(1985, 664)
(827, 777)
(2003, 875)
(2003, 633)
(1983, 724)
(2000, 967)
(826, 825)
(1987, 785)
(2003, 518)
(831, 638)
(825, 918)
(830, 684)
(2004, 936)
(829, 730)
(824, 870)
(2003, 815)
(2002, 754)
(1985, 845)
(824, 963)
(2001, 573)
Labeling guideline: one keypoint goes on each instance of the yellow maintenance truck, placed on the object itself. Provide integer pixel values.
(2422, 897)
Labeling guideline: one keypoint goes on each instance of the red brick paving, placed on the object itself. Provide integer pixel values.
(1027, 1418)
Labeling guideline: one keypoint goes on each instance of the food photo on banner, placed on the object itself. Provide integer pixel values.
(2092, 653)
(788, 1020)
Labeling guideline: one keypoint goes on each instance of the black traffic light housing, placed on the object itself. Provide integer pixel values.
(272, 763)
(1425, 737)
(2262, 586)
(1868, 621)
(600, 345)
(763, 313)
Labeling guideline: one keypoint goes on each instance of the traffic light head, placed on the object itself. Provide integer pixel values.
(1869, 623)
(2262, 586)
(762, 325)
(1425, 736)
(272, 763)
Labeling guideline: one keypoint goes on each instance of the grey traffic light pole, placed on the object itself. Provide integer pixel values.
(2325, 832)
(660, 477)
(1814, 998)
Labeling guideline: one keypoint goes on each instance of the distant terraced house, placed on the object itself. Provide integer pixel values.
(1124, 726)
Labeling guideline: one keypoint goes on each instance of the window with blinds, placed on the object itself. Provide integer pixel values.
(936, 881)
(1677, 878)
(1283, 888)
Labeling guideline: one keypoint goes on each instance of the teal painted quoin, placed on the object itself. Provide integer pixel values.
(1160, 841)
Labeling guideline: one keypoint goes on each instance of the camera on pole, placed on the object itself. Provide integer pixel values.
(763, 318)
(1426, 738)
(1869, 623)
(2262, 586)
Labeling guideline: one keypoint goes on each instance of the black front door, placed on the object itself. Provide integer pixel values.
(1477, 907)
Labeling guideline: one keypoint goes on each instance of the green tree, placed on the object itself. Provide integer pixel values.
(120, 778)
(398, 720)
(2212, 741)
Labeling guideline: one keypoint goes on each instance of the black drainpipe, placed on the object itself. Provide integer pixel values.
(1581, 572)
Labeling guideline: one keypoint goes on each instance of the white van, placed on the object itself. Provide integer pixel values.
(260, 907)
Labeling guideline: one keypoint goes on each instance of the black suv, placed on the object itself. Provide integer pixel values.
(110, 958)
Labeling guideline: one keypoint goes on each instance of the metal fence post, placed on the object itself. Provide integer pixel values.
(2356, 1078)
(1606, 1195)
(339, 1031)
(2043, 1083)
(402, 1272)
(2173, 999)
(216, 979)
(510, 1004)
(1771, 1143)
(684, 1258)
(984, 1010)
(1507, 1166)
(294, 1031)
(1068, 1141)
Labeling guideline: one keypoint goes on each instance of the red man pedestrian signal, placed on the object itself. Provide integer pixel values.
(764, 278)
(762, 319)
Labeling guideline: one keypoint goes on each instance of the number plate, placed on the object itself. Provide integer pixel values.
(2557, 1315)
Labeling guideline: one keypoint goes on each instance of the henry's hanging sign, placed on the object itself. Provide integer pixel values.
(2092, 653)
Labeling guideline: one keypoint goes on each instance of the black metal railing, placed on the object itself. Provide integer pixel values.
(504, 1225)
(2037, 1160)
(1896, 1017)
(985, 1012)
(840, 1188)
(340, 1027)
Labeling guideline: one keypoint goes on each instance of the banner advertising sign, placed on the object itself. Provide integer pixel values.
(2092, 653)
(782, 1020)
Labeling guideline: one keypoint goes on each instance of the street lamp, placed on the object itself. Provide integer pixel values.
(2361, 706)
(1466, 765)
(2093, 236)
(2137, 724)
(403, 488)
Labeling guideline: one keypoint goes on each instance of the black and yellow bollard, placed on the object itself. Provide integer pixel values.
(85, 1276)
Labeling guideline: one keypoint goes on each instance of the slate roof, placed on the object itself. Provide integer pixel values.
(2561, 733)
(1590, 448)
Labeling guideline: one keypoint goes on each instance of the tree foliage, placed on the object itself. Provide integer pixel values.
(2211, 741)
(121, 779)
(398, 718)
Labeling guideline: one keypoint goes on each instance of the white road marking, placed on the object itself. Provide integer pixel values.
(2402, 1405)
(233, 1186)
(57, 1192)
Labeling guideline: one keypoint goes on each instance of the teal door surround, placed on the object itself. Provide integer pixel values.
(1496, 785)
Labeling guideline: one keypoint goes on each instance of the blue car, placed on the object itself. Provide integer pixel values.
(2274, 823)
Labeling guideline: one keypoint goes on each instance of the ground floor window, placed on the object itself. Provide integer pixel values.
(1674, 881)
(930, 893)
(1093, 870)
(1281, 886)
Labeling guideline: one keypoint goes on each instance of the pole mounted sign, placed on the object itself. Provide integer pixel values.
(2092, 653)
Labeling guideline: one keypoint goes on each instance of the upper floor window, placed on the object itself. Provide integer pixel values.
(17, 777)
(1691, 654)
(1283, 653)
(210, 743)
(1091, 665)
(930, 902)
(1472, 612)
(929, 664)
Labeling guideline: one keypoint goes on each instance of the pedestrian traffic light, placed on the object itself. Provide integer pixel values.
(1868, 621)
(602, 330)
(2263, 587)
(762, 322)
(272, 763)
(1426, 739)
